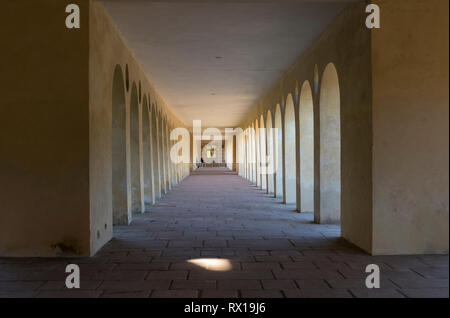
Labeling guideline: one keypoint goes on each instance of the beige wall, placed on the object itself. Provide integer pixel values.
(44, 131)
(410, 128)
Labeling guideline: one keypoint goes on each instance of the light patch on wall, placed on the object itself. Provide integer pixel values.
(212, 264)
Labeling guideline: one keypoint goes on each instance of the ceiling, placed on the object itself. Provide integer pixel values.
(212, 60)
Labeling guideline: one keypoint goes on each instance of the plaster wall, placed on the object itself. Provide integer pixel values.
(410, 128)
(44, 131)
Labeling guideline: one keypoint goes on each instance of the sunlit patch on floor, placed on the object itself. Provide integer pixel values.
(212, 264)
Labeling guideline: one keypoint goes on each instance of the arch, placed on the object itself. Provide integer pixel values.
(257, 155)
(289, 151)
(262, 153)
(306, 120)
(155, 153)
(118, 147)
(135, 165)
(161, 150)
(253, 153)
(171, 165)
(166, 154)
(146, 156)
(229, 151)
(174, 168)
(247, 156)
(330, 147)
(278, 138)
(270, 154)
(247, 153)
(241, 157)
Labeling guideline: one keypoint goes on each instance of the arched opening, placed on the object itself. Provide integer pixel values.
(162, 174)
(278, 138)
(257, 155)
(229, 153)
(244, 153)
(166, 154)
(289, 153)
(270, 154)
(119, 154)
(171, 164)
(262, 153)
(248, 138)
(248, 153)
(240, 163)
(174, 168)
(330, 147)
(306, 120)
(155, 154)
(146, 156)
(239, 154)
(136, 200)
(253, 153)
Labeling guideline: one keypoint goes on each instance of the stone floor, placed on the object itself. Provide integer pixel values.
(250, 244)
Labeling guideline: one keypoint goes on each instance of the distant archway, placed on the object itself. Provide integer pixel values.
(289, 154)
(278, 138)
(136, 200)
(119, 154)
(270, 154)
(147, 156)
(330, 147)
(306, 120)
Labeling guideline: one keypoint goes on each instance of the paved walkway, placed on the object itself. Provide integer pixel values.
(216, 235)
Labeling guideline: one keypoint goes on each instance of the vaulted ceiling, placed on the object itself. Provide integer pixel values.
(212, 60)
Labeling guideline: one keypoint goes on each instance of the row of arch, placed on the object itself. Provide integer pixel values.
(142, 171)
(297, 157)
